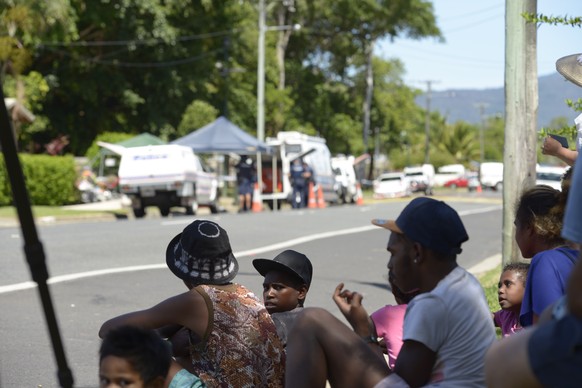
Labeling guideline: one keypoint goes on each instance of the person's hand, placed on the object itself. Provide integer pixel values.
(350, 304)
(551, 146)
(382, 344)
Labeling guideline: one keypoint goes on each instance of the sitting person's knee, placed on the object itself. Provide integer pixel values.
(311, 317)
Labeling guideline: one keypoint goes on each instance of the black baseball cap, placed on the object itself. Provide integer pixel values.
(289, 261)
(433, 224)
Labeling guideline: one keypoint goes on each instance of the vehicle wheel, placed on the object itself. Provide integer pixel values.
(270, 204)
(164, 211)
(191, 210)
(499, 186)
(213, 208)
(139, 212)
(344, 196)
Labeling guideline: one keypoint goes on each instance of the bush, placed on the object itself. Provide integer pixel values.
(50, 180)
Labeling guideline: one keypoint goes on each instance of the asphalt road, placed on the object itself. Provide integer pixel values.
(103, 269)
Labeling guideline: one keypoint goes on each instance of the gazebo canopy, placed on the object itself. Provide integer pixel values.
(222, 136)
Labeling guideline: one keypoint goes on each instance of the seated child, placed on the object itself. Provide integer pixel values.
(130, 356)
(389, 322)
(287, 280)
(511, 290)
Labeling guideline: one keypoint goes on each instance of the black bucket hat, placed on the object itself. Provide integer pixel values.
(201, 254)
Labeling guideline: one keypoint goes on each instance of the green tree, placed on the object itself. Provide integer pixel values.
(460, 141)
(197, 114)
(493, 138)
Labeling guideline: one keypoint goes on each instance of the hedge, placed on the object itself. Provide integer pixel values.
(50, 180)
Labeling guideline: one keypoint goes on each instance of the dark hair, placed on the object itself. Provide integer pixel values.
(566, 181)
(520, 269)
(542, 207)
(145, 350)
(439, 256)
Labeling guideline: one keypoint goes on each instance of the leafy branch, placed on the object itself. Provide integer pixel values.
(574, 21)
(568, 132)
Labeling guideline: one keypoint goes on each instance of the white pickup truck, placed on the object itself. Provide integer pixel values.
(166, 176)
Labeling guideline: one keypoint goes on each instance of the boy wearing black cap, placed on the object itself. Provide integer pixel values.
(447, 326)
(232, 339)
(287, 280)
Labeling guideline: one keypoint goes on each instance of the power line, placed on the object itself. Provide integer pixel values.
(140, 42)
(478, 11)
(473, 24)
(117, 63)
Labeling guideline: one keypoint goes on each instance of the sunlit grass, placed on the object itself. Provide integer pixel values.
(55, 211)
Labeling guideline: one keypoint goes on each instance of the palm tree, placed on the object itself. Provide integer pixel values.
(460, 141)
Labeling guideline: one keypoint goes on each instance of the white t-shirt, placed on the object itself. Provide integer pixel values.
(454, 321)
(578, 122)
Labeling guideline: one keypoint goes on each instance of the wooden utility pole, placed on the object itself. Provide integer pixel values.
(367, 104)
(427, 122)
(521, 104)
(481, 106)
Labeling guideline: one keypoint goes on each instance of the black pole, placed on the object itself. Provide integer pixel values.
(33, 248)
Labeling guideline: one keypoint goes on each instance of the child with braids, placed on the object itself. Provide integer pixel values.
(538, 225)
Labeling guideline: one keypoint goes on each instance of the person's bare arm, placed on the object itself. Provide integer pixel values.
(187, 309)
(415, 363)
(169, 330)
(350, 304)
(551, 146)
(507, 362)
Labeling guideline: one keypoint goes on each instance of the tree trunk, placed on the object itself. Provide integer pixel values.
(282, 42)
(521, 101)
(367, 105)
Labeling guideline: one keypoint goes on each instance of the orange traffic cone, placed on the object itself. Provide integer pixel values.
(359, 195)
(320, 200)
(257, 201)
(311, 204)
(479, 189)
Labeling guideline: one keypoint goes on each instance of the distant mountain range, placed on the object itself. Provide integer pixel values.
(463, 104)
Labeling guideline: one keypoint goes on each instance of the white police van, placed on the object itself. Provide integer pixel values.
(166, 176)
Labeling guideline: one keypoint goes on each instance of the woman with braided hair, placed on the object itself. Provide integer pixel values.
(538, 226)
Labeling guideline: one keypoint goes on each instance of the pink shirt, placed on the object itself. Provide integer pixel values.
(508, 321)
(389, 321)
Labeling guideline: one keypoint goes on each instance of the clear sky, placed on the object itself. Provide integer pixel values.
(473, 55)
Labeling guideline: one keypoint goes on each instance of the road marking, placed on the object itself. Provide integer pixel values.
(250, 252)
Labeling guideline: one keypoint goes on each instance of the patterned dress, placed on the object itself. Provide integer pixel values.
(240, 347)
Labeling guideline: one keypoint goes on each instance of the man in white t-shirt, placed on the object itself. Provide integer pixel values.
(447, 327)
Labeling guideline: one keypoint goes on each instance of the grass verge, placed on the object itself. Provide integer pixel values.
(55, 211)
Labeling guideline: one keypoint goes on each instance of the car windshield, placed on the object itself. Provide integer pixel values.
(548, 176)
(391, 178)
